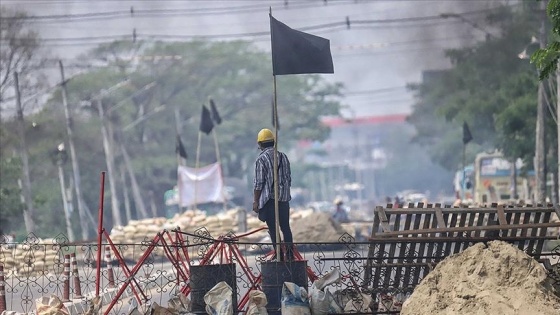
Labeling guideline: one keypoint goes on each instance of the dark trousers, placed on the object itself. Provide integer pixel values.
(283, 221)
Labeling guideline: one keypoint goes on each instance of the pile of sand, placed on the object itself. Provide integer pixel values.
(316, 227)
(498, 279)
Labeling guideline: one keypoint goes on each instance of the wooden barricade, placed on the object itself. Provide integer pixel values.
(407, 243)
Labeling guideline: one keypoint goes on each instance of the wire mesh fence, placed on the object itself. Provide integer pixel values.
(38, 267)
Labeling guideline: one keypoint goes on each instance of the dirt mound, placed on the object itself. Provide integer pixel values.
(498, 279)
(316, 227)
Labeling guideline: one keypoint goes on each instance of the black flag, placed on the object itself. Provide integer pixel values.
(467, 136)
(296, 52)
(179, 148)
(206, 124)
(215, 115)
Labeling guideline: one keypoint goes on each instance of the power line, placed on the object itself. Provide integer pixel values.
(131, 13)
(326, 27)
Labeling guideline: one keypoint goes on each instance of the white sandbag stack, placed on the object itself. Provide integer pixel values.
(30, 259)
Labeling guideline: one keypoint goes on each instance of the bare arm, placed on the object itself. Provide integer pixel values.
(256, 197)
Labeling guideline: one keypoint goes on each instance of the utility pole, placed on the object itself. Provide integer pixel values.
(109, 159)
(125, 195)
(558, 134)
(141, 211)
(83, 211)
(540, 156)
(59, 160)
(28, 211)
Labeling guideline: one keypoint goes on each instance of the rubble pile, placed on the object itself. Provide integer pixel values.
(494, 279)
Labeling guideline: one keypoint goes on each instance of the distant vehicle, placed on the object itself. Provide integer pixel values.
(490, 180)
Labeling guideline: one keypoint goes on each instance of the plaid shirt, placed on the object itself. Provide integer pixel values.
(264, 177)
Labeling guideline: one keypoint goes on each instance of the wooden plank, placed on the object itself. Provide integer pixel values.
(391, 260)
(475, 228)
(480, 222)
(377, 271)
(501, 215)
(533, 232)
(472, 217)
(402, 251)
(439, 239)
(516, 218)
(439, 218)
(542, 232)
(410, 257)
(526, 219)
(473, 210)
(383, 220)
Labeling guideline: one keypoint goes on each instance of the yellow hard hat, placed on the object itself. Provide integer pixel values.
(265, 135)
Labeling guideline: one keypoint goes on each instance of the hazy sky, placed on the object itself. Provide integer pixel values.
(388, 45)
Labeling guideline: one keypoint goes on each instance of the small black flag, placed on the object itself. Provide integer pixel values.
(467, 136)
(215, 115)
(206, 124)
(179, 148)
(296, 52)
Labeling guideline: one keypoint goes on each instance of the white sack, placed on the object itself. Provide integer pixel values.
(218, 300)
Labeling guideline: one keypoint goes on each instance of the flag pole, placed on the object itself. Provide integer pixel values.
(275, 168)
(196, 170)
(275, 164)
(218, 159)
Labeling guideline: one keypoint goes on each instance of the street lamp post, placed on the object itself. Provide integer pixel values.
(59, 158)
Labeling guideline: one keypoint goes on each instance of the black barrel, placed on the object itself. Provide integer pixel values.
(203, 278)
(274, 274)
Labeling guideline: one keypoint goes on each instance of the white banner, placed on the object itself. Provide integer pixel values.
(207, 182)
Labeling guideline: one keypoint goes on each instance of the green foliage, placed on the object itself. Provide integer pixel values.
(546, 59)
(11, 208)
(140, 96)
(490, 88)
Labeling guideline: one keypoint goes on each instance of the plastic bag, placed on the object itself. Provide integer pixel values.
(218, 300)
(294, 300)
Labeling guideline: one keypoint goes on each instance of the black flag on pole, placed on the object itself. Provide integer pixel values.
(214, 111)
(206, 124)
(180, 149)
(296, 52)
(467, 136)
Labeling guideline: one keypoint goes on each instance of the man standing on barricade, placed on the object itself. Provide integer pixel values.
(263, 190)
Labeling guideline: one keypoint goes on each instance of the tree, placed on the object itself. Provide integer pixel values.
(19, 78)
(141, 114)
(546, 59)
(488, 86)
(19, 51)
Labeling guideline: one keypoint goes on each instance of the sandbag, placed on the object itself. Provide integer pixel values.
(257, 303)
(294, 300)
(218, 300)
(179, 304)
(51, 305)
(321, 302)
